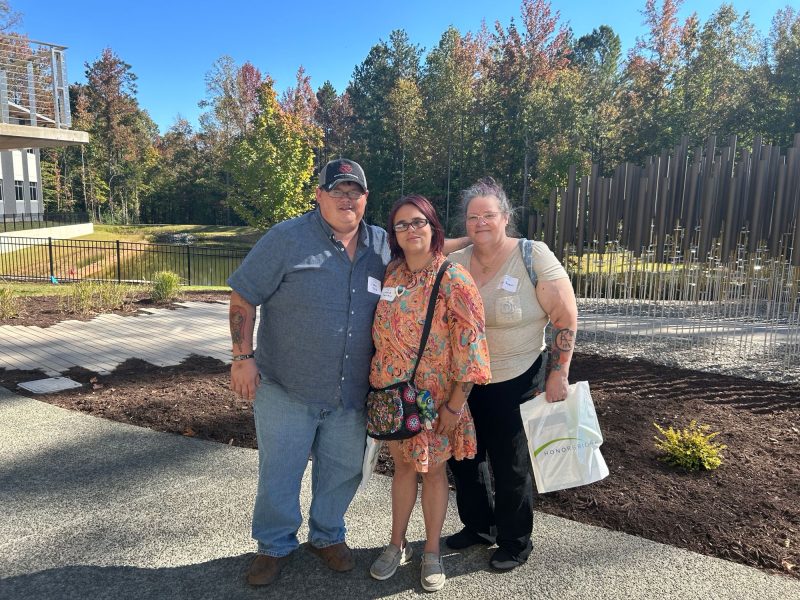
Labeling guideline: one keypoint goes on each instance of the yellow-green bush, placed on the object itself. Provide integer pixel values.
(79, 298)
(691, 447)
(166, 286)
(9, 303)
(95, 296)
(113, 295)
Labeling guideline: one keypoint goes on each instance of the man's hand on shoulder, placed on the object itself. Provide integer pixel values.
(454, 244)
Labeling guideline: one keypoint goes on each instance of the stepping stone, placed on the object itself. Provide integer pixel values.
(49, 385)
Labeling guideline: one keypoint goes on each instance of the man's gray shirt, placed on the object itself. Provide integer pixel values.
(315, 334)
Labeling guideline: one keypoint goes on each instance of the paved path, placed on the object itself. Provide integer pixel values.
(94, 509)
(160, 336)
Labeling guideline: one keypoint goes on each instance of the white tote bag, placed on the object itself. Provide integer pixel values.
(564, 440)
(371, 452)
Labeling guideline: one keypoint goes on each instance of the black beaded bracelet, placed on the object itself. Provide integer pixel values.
(244, 356)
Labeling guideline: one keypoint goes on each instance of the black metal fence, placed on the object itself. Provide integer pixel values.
(41, 220)
(40, 259)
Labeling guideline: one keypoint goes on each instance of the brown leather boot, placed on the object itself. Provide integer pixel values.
(337, 557)
(265, 569)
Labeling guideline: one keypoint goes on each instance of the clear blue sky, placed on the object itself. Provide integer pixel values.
(171, 44)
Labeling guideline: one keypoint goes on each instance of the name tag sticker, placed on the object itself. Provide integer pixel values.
(389, 294)
(509, 284)
(373, 285)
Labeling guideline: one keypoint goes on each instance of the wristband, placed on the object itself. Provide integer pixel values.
(244, 356)
(457, 413)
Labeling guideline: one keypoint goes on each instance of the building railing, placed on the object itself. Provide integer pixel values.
(34, 88)
(37, 259)
(17, 222)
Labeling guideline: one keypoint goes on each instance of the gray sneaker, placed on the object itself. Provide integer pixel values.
(386, 564)
(432, 575)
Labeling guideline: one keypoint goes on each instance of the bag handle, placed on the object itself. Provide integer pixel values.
(429, 316)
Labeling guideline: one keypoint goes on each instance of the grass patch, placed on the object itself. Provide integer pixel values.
(24, 290)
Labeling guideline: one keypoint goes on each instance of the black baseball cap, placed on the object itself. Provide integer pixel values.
(341, 170)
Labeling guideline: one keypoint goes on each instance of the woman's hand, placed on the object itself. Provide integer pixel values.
(446, 422)
(556, 386)
(450, 412)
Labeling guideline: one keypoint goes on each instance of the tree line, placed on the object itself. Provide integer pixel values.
(521, 102)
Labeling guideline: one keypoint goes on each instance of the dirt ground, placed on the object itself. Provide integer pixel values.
(745, 511)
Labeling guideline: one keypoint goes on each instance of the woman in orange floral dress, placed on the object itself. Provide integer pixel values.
(455, 357)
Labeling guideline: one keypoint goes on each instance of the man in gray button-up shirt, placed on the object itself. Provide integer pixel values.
(317, 279)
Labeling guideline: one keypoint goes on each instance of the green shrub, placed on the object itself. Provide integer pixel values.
(691, 448)
(166, 286)
(9, 303)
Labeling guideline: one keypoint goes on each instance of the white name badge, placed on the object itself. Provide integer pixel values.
(389, 294)
(509, 284)
(373, 285)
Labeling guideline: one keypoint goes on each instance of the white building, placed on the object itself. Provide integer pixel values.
(20, 182)
(34, 113)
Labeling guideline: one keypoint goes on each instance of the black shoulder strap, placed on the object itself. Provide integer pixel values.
(429, 316)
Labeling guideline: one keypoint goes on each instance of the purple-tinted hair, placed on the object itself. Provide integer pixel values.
(426, 208)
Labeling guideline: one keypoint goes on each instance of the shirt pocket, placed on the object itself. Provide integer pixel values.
(508, 310)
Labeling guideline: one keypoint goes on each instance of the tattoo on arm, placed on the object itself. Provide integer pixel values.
(237, 319)
(563, 344)
(466, 388)
(564, 340)
(554, 362)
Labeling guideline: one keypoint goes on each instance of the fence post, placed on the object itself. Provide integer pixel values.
(50, 252)
(119, 265)
(188, 265)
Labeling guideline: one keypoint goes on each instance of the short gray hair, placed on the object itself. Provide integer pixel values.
(487, 186)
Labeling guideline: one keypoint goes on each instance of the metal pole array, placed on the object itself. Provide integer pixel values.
(694, 255)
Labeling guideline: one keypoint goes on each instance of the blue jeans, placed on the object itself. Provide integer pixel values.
(288, 432)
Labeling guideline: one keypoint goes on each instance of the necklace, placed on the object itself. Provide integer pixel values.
(484, 267)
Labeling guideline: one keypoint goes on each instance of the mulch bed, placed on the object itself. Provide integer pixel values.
(745, 511)
(45, 311)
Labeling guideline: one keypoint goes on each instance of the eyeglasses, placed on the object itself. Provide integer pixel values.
(352, 194)
(415, 224)
(488, 217)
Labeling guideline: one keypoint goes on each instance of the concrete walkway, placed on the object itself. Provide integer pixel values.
(159, 336)
(97, 509)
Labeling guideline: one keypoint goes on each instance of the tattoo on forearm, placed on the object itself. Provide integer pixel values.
(466, 388)
(554, 361)
(564, 340)
(237, 326)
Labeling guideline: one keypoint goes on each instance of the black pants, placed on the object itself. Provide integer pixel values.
(498, 425)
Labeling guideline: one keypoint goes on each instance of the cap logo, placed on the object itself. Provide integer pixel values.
(345, 168)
